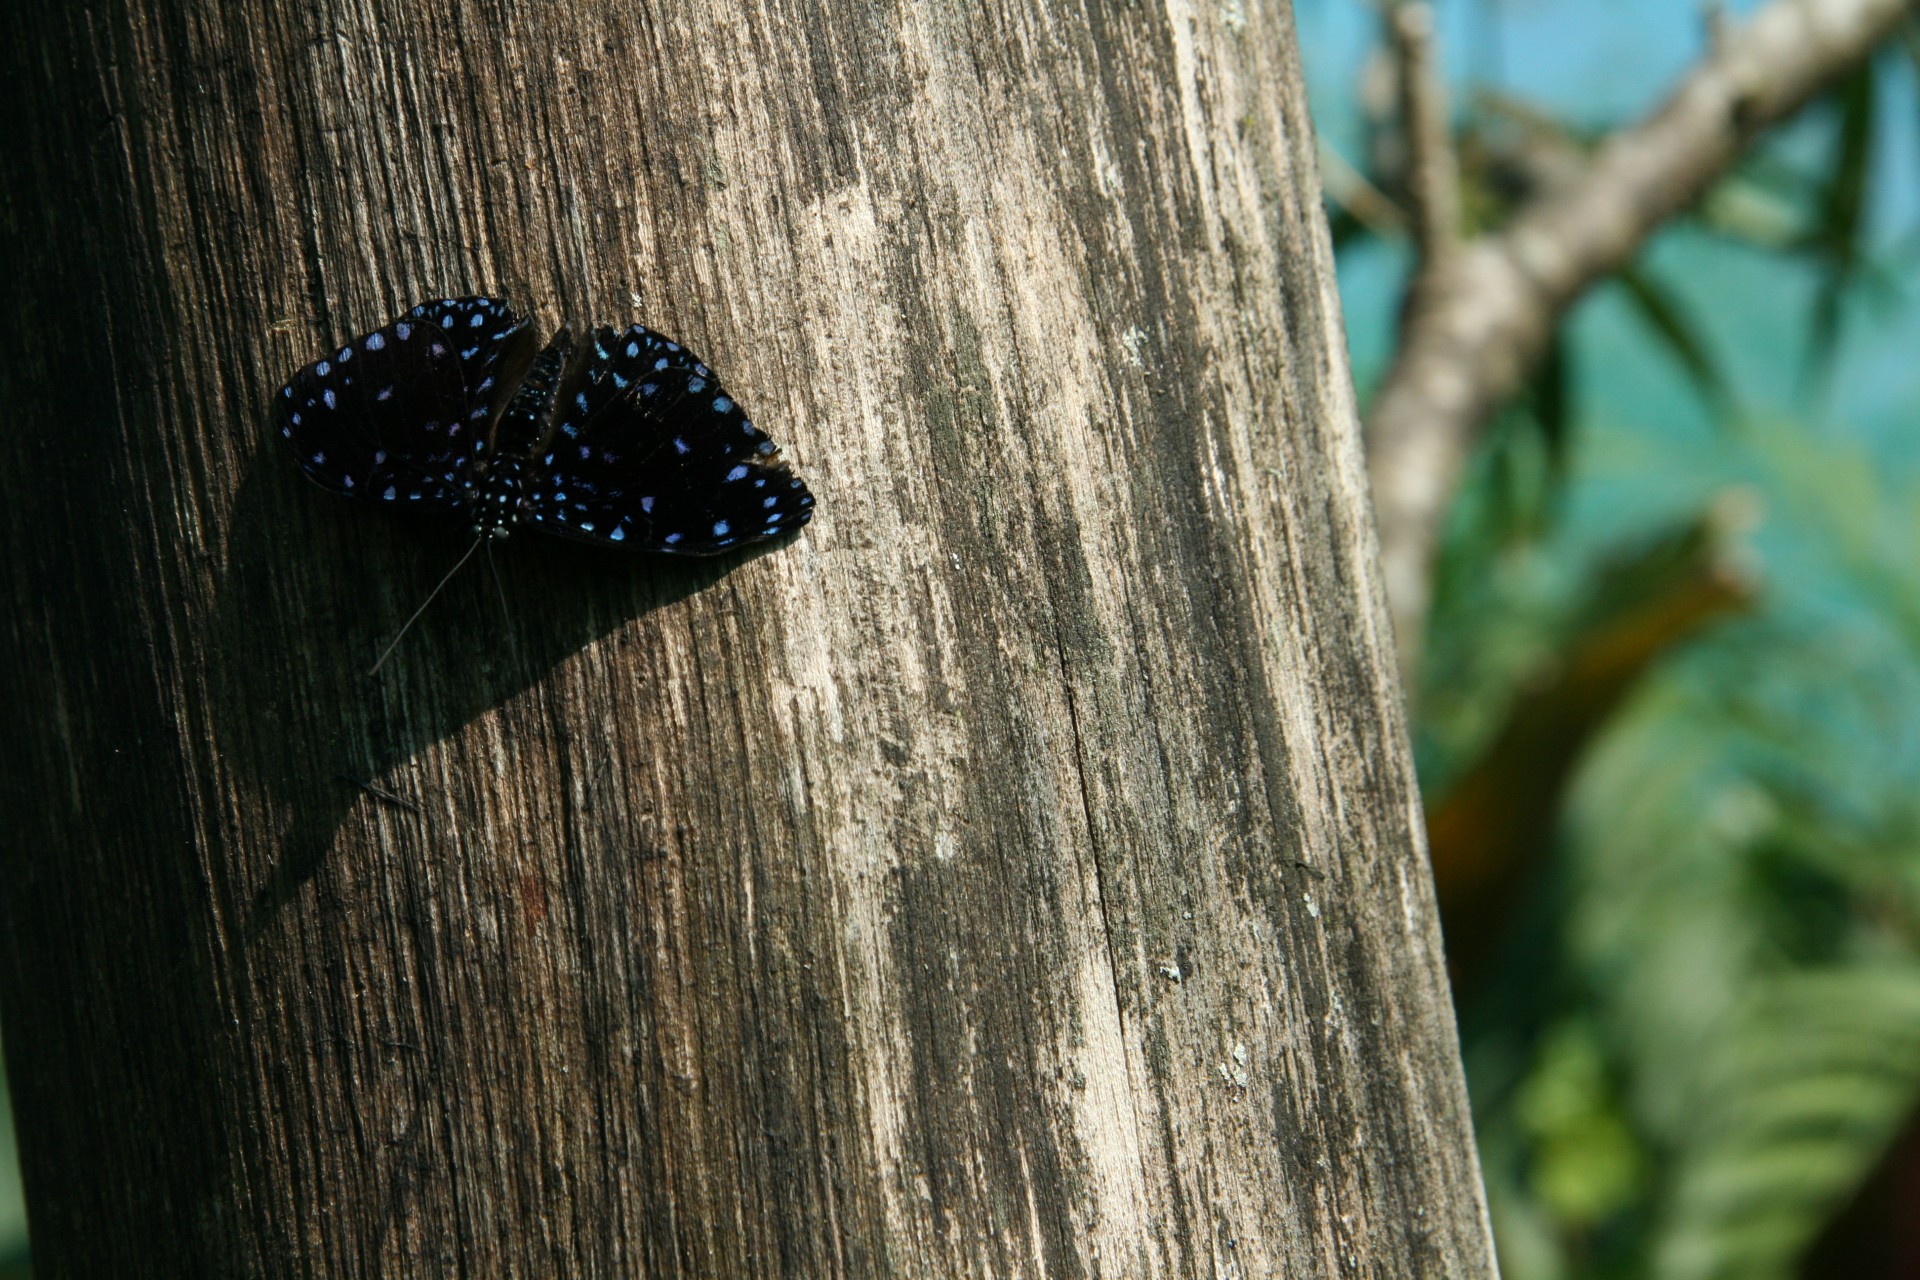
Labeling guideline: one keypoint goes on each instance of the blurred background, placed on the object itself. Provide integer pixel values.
(1667, 707)
(1667, 711)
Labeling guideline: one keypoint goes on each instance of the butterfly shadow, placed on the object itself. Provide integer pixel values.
(308, 593)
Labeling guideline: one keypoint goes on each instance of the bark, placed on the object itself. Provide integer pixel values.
(1479, 324)
(1017, 874)
(1433, 171)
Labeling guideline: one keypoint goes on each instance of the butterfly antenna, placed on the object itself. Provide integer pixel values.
(499, 587)
(408, 625)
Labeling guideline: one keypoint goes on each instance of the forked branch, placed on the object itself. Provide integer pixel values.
(1481, 318)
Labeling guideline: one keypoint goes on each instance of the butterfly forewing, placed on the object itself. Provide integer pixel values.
(400, 414)
(649, 451)
(493, 347)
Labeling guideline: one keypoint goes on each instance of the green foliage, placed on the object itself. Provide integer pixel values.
(1812, 1077)
(1723, 1032)
(1587, 1165)
(1667, 318)
(1707, 1029)
(13, 1212)
(1836, 236)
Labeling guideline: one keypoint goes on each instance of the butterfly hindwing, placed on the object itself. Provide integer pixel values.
(400, 414)
(648, 451)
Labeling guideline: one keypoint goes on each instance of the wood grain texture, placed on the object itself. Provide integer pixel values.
(1017, 874)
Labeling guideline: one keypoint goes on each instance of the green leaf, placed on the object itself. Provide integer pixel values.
(1553, 399)
(1669, 321)
(1836, 234)
(1814, 1080)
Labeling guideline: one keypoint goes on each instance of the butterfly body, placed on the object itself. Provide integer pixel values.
(628, 440)
(499, 487)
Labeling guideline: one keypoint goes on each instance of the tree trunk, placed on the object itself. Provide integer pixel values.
(1017, 874)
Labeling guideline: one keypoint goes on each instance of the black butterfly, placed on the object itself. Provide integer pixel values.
(630, 442)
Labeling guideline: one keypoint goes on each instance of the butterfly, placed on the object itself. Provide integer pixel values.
(628, 440)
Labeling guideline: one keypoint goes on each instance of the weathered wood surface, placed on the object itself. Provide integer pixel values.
(1015, 875)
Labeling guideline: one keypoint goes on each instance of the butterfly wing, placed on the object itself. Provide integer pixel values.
(398, 415)
(649, 452)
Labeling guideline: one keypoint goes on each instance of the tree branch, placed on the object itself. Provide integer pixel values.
(1478, 326)
(1018, 873)
(1349, 188)
(1433, 173)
